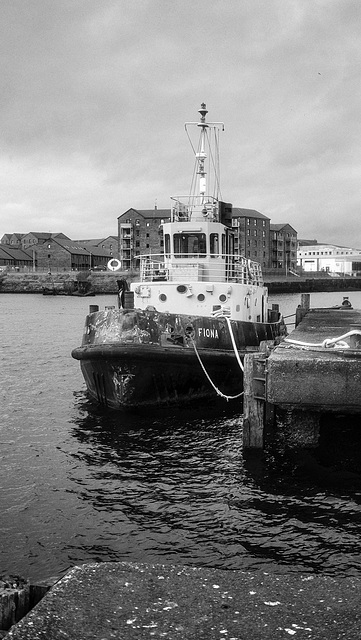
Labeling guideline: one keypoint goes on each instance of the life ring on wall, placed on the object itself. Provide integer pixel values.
(114, 264)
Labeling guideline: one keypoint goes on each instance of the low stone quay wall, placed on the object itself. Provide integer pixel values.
(313, 285)
(106, 282)
(62, 283)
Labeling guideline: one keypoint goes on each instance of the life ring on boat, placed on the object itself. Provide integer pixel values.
(114, 264)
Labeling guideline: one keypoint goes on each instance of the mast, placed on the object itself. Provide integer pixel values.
(204, 145)
(201, 155)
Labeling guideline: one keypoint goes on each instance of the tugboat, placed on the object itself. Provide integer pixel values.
(181, 332)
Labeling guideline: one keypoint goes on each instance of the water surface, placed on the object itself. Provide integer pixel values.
(80, 484)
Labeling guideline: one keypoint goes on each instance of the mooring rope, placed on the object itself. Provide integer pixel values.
(234, 343)
(218, 391)
(328, 342)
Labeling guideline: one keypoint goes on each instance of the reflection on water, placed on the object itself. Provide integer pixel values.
(176, 488)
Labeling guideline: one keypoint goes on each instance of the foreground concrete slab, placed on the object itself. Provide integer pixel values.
(128, 600)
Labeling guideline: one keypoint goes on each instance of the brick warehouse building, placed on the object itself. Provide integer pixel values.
(283, 247)
(139, 233)
(67, 255)
(252, 235)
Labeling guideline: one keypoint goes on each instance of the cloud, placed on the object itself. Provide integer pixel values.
(94, 96)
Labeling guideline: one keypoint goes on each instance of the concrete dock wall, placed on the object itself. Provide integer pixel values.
(313, 372)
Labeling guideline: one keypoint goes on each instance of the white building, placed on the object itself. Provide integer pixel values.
(329, 258)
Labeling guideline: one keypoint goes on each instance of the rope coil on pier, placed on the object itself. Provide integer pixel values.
(337, 343)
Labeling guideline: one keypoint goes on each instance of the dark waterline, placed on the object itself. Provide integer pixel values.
(78, 484)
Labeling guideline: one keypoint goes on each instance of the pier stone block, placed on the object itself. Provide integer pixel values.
(325, 381)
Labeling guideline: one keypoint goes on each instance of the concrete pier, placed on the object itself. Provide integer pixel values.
(128, 600)
(314, 371)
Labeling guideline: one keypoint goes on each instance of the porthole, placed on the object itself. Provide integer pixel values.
(200, 297)
(162, 297)
(222, 297)
(181, 288)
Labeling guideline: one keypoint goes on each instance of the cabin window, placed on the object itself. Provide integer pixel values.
(214, 245)
(167, 245)
(192, 244)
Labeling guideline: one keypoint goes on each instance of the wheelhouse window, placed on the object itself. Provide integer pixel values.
(167, 245)
(214, 245)
(192, 244)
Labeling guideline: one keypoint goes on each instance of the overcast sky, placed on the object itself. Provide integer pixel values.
(95, 93)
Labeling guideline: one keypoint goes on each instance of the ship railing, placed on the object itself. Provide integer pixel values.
(180, 267)
(196, 207)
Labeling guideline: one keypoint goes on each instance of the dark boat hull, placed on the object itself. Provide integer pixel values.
(138, 376)
(136, 358)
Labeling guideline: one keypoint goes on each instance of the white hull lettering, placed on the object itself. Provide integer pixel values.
(207, 333)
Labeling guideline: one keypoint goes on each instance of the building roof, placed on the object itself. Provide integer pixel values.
(239, 212)
(15, 253)
(4, 255)
(148, 213)
(279, 227)
(95, 242)
(8, 236)
(304, 242)
(76, 249)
